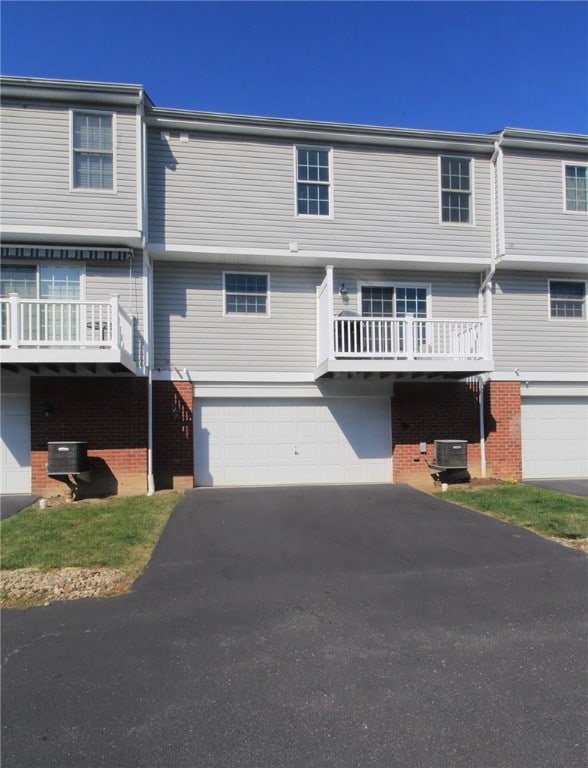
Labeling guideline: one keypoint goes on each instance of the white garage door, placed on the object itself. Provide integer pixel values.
(15, 438)
(555, 437)
(292, 441)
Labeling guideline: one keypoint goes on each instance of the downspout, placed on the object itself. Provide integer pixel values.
(486, 292)
(147, 283)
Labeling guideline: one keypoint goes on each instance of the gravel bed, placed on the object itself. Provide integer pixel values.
(32, 584)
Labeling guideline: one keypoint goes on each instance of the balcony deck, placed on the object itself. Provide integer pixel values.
(54, 332)
(354, 344)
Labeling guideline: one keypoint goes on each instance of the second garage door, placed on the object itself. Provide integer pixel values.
(292, 441)
(555, 437)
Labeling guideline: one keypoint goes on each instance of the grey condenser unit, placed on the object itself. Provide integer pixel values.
(67, 458)
(451, 454)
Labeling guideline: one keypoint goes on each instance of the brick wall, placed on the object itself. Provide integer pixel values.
(173, 449)
(109, 413)
(425, 412)
(503, 429)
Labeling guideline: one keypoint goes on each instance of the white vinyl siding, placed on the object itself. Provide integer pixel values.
(36, 183)
(191, 331)
(525, 337)
(537, 226)
(238, 193)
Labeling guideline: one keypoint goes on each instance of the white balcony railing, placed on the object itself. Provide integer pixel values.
(49, 323)
(409, 338)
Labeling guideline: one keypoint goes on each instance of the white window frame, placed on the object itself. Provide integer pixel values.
(553, 319)
(48, 263)
(265, 314)
(72, 151)
(328, 184)
(394, 284)
(472, 221)
(567, 164)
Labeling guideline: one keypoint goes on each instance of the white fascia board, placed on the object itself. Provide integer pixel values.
(551, 377)
(78, 91)
(306, 130)
(250, 377)
(542, 263)
(277, 256)
(554, 389)
(72, 235)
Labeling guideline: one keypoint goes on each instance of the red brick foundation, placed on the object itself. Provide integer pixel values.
(173, 448)
(110, 414)
(425, 412)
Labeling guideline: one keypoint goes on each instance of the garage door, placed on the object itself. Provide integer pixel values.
(292, 441)
(15, 439)
(555, 437)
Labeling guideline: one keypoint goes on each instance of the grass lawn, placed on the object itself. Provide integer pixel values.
(110, 533)
(546, 512)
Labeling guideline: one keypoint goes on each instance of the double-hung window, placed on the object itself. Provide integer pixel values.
(246, 293)
(456, 190)
(399, 302)
(567, 299)
(313, 181)
(576, 187)
(92, 150)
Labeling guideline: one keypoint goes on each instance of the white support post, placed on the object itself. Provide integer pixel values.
(409, 341)
(115, 321)
(13, 310)
(331, 312)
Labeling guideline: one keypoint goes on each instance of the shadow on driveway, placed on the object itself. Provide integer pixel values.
(325, 626)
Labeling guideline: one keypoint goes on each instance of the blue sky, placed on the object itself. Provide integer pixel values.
(467, 66)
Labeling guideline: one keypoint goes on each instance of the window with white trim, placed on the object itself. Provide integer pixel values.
(400, 302)
(246, 293)
(576, 187)
(567, 299)
(456, 190)
(92, 151)
(313, 181)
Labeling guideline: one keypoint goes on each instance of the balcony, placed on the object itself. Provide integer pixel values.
(350, 343)
(54, 333)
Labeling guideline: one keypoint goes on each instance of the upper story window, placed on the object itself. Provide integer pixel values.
(394, 301)
(456, 190)
(567, 299)
(92, 150)
(246, 293)
(313, 181)
(576, 187)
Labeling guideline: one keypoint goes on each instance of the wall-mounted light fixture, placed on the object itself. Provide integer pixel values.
(343, 290)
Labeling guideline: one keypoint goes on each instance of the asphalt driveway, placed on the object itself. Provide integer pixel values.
(328, 626)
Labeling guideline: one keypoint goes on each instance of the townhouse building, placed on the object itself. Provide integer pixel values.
(215, 299)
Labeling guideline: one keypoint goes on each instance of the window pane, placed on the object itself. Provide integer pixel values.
(576, 188)
(245, 294)
(20, 280)
(567, 298)
(93, 171)
(60, 282)
(93, 132)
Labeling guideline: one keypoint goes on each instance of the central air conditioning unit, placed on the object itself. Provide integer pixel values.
(451, 454)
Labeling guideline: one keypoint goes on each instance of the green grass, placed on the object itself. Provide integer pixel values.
(545, 512)
(112, 533)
